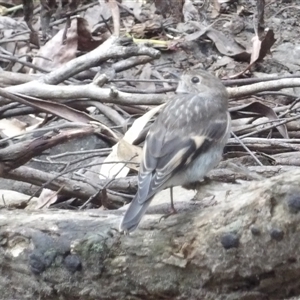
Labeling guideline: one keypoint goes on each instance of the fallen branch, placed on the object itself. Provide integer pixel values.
(245, 249)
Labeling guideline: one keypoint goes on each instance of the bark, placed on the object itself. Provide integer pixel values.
(245, 246)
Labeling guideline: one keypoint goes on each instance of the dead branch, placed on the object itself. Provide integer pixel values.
(236, 248)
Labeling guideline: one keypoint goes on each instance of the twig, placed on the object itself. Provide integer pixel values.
(22, 62)
(42, 131)
(95, 151)
(72, 170)
(106, 185)
(271, 127)
(108, 112)
(246, 148)
(263, 86)
(145, 80)
(247, 81)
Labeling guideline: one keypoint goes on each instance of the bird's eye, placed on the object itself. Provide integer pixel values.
(195, 79)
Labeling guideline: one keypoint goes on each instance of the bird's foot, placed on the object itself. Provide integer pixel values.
(173, 211)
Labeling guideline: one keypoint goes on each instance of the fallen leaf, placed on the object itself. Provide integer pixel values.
(13, 199)
(189, 11)
(146, 74)
(58, 50)
(12, 127)
(118, 170)
(58, 109)
(138, 125)
(115, 12)
(258, 108)
(260, 49)
(8, 23)
(46, 198)
(227, 46)
(86, 42)
(129, 152)
(215, 9)
(105, 11)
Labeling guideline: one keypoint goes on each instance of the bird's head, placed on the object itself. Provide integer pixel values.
(200, 82)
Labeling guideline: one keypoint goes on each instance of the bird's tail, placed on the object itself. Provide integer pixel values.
(134, 214)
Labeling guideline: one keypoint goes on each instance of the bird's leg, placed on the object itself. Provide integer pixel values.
(173, 210)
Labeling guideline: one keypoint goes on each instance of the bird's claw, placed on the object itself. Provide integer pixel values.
(172, 212)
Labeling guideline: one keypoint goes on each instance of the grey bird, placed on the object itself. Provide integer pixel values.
(184, 143)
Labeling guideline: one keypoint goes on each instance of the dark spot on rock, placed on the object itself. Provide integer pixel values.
(36, 262)
(293, 202)
(292, 260)
(42, 242)
(229, 240)
(73, 263)
(63, 246)
(266, 275)
(276, 234)
(255, 230)
(49, 257)
(3, 240)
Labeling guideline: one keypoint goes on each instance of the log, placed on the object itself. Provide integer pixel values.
(244, 245)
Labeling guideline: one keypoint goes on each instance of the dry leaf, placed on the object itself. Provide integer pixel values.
(86, 41)
(216, 9)
(12, 127)
(189, 11)
(146, 74)
(259, 50)
(57, 51)
(138, 125)
(118, 170)
(259, 109)
(46, 198)
(115, 16)
(129, 152)
(58, 109)
(13, 199)
(105, 12)
(8, 23)
(262, 48)
(91, 15)
(227, 46)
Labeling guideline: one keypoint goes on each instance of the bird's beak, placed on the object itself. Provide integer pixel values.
(182, 88)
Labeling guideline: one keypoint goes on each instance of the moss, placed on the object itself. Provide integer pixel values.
(93, 250)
